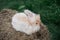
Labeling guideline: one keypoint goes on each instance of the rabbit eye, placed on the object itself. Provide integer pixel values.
(36, 23)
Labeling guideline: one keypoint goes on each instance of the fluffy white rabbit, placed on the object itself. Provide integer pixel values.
(27, 22)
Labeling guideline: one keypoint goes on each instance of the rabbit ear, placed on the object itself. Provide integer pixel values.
(29, 13)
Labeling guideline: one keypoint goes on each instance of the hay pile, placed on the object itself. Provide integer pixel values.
(8, 33)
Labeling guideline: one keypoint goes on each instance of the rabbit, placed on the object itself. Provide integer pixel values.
(26, 22)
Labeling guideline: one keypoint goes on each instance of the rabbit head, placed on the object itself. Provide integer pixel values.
(33, 18)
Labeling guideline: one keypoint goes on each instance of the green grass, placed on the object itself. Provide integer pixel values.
(48, 9)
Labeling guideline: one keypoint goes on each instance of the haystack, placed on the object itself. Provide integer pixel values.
(8, 33)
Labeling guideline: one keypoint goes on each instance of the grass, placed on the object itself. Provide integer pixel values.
(48, 9)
